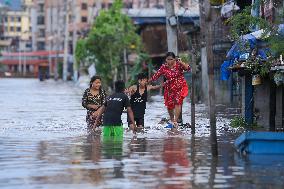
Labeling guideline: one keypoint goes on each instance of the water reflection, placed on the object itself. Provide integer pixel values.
(92, 151)
(178, 166)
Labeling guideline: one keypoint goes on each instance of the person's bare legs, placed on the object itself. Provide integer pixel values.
(171, 114)
(177, 114)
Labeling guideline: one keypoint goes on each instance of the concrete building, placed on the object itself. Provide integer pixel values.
(37, 14)
(138, 4)
(16, 24)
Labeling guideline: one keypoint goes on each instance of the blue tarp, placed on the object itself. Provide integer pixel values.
(225, 72)
(240, 51)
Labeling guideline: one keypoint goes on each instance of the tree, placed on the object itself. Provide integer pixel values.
(82, 54)
(112, 33)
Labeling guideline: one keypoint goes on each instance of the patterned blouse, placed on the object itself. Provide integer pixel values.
(89, 98)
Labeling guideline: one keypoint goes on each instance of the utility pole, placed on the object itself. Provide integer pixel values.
(211, 87)
(66, 40)
(193, 76)
(25, 61)
(20, 57)
(75, 66)
(192, 54)
(207, 17)
(171, 23)
(57, 43)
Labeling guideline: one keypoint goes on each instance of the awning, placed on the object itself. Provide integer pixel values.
(33, 53)
(5, 43)
(27, 62)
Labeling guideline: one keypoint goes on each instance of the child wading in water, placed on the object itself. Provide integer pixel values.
(94, 97)
(112, 109)
(138, 98)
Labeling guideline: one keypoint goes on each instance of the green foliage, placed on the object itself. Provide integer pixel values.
(258, 66)
(238, 122)
(185, 57)
(60, 69)
(112, 33)
(83, 55)
(276, 42)
(138, 67)
(80, 51)
(243, 22)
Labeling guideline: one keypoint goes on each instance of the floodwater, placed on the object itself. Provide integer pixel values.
(44, 143)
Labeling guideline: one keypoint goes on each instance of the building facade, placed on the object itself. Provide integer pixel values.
(16, 25)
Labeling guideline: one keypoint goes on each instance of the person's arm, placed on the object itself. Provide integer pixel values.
(184, 66)
(85, 100)
(151, 87)
(131, 118)
(100, 113)
(130, 114)
(132, 89)
(157, 74)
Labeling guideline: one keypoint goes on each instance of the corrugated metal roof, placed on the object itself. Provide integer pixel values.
(13, 5)
(158, 16)
(152, 12)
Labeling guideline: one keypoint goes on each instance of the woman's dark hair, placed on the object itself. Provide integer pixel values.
(142, 76)
(119, 86)
(94, 78)
(170, 54)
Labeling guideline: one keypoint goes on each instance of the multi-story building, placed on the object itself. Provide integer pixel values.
(37, 14)
(81, 14)
(16, 25)
(2, 16)
(138, 4)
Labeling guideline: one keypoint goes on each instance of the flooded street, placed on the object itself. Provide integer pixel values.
(44, 143)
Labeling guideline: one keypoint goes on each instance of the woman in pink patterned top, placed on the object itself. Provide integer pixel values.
(176, 88)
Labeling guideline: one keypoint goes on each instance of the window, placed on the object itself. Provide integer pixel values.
(103, 5)
(41, 33)
(41, 7)
(6, 19)
(18, 29)
(19, 19)
(84, 19)
(84, 6)
(40, 45)
(40, 20)
(11, 29)
(12, 19)
(128, 5)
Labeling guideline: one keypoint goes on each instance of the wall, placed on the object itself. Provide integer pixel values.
(262, 103)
